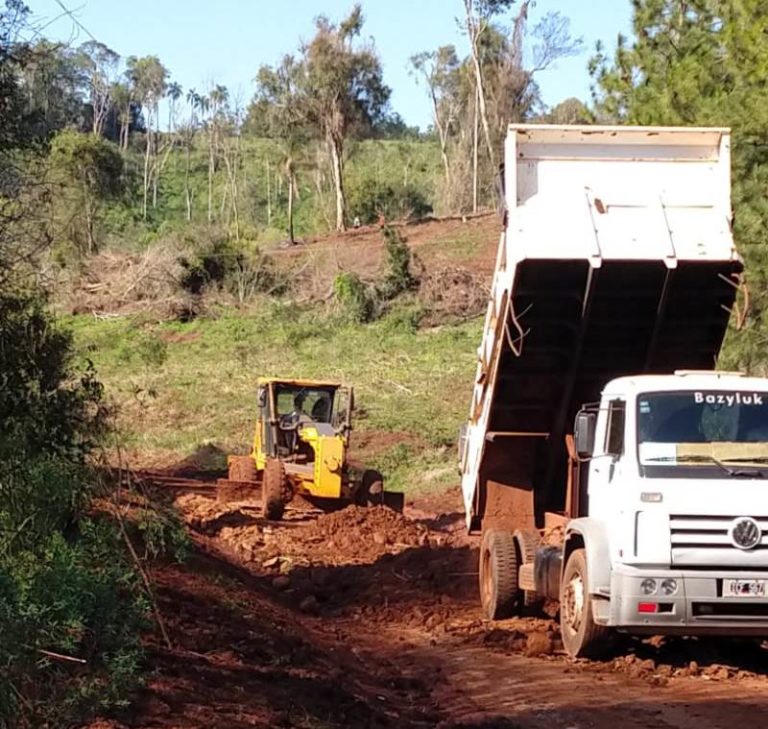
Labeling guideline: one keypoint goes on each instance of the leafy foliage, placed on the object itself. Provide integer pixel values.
(354, 297)
(87, 172)
(65, 587)
(398, 278)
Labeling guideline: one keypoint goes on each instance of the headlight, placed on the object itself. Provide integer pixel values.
(669, 586)
(648, 586)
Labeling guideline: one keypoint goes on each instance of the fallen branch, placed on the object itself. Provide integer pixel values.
(61, 657)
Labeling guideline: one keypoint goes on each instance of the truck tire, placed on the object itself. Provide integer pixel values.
(242, 469)
(499, 593)
(371, 490)
(527, 544)
(582, 636)
(273, 490)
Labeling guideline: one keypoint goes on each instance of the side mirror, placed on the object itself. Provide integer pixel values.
(262, 397)
(584, 434)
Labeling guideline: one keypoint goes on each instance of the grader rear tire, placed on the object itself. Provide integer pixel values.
(274, 490)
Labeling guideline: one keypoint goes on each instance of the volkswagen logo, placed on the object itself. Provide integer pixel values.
(745, 533)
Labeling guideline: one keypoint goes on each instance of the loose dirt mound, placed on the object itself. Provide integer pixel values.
(362, 534)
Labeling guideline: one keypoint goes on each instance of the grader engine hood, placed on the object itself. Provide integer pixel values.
(330, 456)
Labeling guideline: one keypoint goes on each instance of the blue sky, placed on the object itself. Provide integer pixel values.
(225, 41)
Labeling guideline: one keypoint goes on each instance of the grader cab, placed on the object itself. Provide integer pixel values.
(300, 449)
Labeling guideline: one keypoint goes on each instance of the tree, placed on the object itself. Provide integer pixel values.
(122, 99)
(216, 105)
(100, 63)
(703, 63)
(342, 90)
(477, 20)
(440, 70)
(149, 80)
(87, 171)
(174, 92)
(569, 111)
(53, 82)
(279, 96)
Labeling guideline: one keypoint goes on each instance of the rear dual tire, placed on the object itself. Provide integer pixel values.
(499, 589)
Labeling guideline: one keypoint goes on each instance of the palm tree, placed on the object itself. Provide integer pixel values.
(174, 92)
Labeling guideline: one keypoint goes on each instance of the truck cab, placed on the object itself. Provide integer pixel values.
(674, 533)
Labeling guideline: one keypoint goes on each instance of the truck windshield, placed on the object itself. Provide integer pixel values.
(703, 428)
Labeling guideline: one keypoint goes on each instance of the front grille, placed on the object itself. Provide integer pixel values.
(704, 541)
(710, 532)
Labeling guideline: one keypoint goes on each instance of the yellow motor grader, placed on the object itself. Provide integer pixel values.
(300, 449)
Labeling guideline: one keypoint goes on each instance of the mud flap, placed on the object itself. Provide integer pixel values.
(394, 500)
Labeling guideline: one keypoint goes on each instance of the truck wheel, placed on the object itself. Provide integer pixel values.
(499, 593)
(527, 544)
(273, 490)
(242, 468)
(582, 636)
(371, 490)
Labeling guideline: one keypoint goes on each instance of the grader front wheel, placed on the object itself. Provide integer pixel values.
(371, 490)
(274, 490)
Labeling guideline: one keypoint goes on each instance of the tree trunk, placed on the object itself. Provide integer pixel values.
(124, 131)
(187, 193)
(338, 180)
(290, 203)
(475, 135)
(146, 174)
(442, 132)
(474, 34)
(211, 169)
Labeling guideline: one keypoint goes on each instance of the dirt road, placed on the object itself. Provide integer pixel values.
(363, 618)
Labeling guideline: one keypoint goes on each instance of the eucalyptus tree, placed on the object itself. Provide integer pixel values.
(149, 79)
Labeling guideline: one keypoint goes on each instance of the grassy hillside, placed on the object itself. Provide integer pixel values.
(179, 387)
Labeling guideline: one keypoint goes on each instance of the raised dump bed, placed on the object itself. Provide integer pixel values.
(617, 258)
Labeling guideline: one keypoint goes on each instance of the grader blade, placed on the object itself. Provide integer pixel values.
(394, 500)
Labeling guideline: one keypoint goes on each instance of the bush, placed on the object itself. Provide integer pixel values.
(73, 597)
(354, 297)
(66, 586)
(370, 199)
(46, 406)
(398, 278)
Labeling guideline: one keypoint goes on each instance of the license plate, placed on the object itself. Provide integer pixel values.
(744, 588)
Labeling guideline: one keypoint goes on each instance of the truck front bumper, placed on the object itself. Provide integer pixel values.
(696, 607)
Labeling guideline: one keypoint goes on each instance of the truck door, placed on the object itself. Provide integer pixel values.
(605, 468)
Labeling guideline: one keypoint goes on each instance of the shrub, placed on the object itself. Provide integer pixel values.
(354, 297)
(369, 199)
(66, 586)
(398, 277)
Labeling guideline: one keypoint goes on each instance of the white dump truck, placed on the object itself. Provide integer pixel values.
(606, 463)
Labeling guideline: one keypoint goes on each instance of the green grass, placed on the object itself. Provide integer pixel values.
(180, 386)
